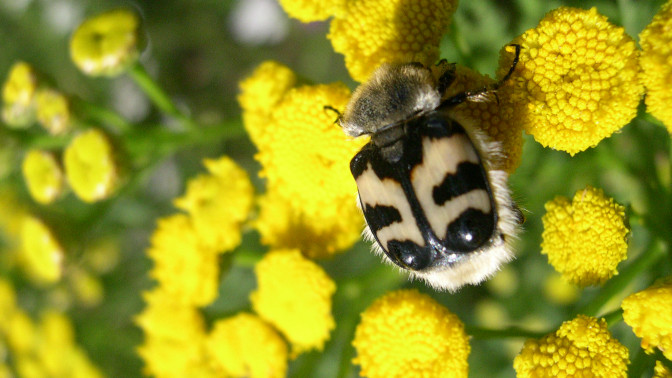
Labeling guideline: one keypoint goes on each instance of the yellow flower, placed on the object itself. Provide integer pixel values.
(577, 81)
(182, 265)
(218, 204)
(102, 255)
(312, 10)
(497, 121)
(582, 347)
(648, 313)
(174, 337)
(90, 166)
(656, 63)
(245, 346)
(371, 32)
(41, 254)
(87, 287)
(310, 200)
(20, 332)
(408, 334)
(43, 176)
(107, 44)
(7, 303)
(18, 94)
(559, 291)
(585, 239)
(53, 110)
(294, 294)
(660, 371)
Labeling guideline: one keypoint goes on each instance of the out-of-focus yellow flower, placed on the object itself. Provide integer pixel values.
(371, 32)
(648, 313)
(310, 200)
(559, 291)
(585, 239)
(577, 81)
(218, 203)
(53, 110)
(659, 371)
(582, 347)
(11, 215)
(505, 282)
(7, 303)
(294, 294)
(18, 94)
(29, 367)
(408, 334)
(90, 166)
(656, 63)
(43, 176)
(498, 122)
(103, 255)
(182, 265)
(491, 314)
(174, 337)
(20, 332)
(107, 44)
(87, 288)
(312, 10)
(245, 346)
(41, 254)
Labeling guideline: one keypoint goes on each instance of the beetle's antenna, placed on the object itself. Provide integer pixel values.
(338, 113)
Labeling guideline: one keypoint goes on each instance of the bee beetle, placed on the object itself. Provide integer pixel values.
(432, 201)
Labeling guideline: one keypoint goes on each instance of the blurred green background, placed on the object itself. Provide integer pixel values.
(198, 52)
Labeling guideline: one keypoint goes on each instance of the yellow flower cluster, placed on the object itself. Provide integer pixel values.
(582, 347)
(294, 294)
(371, 32)
(18, 94)
(41, 349)
(310, 195)
(577, 81)
(41, 254)
(660, 371)
(656, 63)
(43, 176)
(585, 239)
(648, 313)
(107, 44)
(408, 334)
(90, 166)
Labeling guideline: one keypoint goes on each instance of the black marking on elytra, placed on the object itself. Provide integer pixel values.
(469, 176)
(381, 216)
(471, 230)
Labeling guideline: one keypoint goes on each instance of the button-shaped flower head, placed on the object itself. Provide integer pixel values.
(43, 176)
(41, 254)
(18, 94)
(90, 166)
(648, 313)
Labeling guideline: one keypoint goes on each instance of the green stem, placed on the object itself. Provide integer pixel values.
(156, 94)
(614, 317)
(650, 257)
(98, 114)
(510, 332)
(47, 142)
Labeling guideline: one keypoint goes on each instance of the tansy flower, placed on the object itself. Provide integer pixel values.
(312, 10)
(648, 313)
(294, 294)
(498, 122)
(585, 239)
(582, 347)
(408, 334)
(90, 166)
(20, 332)
(245, 346)
(86, 287)
(41, 253)
(184, 268)
(174, 344)
(660, 371)
(107, 44)
(577, 81)
(656, 63)
(7, 303)
(310, 196)
(43, 176)
(53, 110)
(18, 94)
(218, 203)
(371, 32)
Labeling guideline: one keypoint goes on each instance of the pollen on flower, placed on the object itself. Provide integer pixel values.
(41, 254)
(18, 94)
(371, 32)
(107, 44)
(579, 348)
(90, 166)
(294, 294)
(43, 176)
(648, 313)
(218, 203)
(585, 239)
(577, 81)
(656, 63)
(312, 10)
(53, 110)
(184, 268)
(408, 334)
(498, 122)
(309, 202)
(246, 346)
